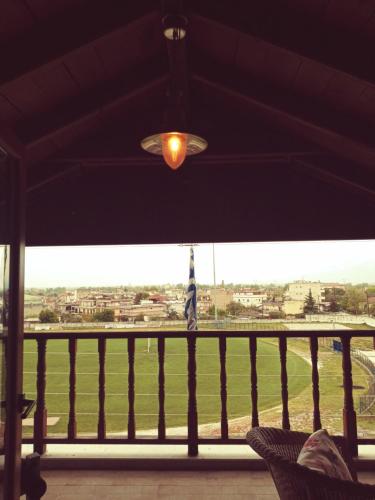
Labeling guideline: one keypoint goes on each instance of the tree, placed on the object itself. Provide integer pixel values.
(333, 306)
(310, 304)
(48, 316)
(221, 313)
(71, 318)
(107, 315)
(140, 296)
(354, 300)
(235, 308)
(173, 315)
(277, 314)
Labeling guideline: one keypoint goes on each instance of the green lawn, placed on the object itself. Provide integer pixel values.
(146, 366)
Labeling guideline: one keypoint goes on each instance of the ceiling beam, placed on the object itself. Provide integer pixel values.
(327, 139)
(52, 40)
(93, 114)
(331, 178)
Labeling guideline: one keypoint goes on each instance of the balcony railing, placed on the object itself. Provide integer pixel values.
(40, 438)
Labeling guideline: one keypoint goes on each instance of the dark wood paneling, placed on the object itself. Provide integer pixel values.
(85, 67)
(126, 47)
(15, 18)
(44, 9)
(49, 41)
(351, 14)
(266, 61)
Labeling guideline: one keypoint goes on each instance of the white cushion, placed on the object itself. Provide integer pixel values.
(320, 453)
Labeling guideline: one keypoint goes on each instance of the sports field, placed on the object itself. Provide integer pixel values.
(146, 381)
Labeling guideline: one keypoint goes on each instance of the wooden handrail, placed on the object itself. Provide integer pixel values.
(192, 440)
(110, 334)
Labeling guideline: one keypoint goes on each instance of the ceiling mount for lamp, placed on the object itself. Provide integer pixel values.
(174, 26)
(175, 142)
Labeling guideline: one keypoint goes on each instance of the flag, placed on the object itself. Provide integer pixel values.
(191, 297)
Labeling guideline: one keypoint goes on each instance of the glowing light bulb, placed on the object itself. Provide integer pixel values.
(174, 146)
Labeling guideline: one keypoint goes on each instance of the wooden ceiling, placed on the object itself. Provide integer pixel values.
(82, 81)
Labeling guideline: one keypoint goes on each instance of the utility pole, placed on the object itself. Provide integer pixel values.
(214, 269)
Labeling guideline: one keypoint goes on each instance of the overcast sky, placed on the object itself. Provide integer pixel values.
(344, 261)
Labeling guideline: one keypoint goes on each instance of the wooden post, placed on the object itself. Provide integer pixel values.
(40, 416)
(101, 418)
(223, 387)
(72, 424)
(131, 388)
(348, 413)
(192, 402)
(284, 382)
(14, 183)
(315, 383)
(254, 381)
(161, 422)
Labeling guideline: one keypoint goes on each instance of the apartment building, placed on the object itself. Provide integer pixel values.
(221, 297)
(250, 298)
(299, 290)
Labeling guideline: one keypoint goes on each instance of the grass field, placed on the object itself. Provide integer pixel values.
(146, 367)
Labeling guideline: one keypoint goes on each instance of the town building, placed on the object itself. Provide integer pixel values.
(299, 290)
(220, 297)
(293, 307)
(250, 298)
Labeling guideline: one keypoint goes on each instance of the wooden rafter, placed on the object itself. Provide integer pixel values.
(327, 139)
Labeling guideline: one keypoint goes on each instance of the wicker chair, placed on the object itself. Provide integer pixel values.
(280, 449)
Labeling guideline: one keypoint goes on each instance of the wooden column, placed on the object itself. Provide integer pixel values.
(192, 401)
(131, 388)
(223, 387)
(101, 392)
(348, 413)
(284, 382)
(254, 382)
(40, 416)
(315, 383)
(72, 424)
(161, 422)
(13, 308)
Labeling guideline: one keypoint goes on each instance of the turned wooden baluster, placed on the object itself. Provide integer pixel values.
(284, 382)
(349, 414)
(40, 416)
(72, 424)
(223, 387)
(161, 423)
(254, 382)
(192, 402)
(131, 389)
(101, 419)
(315, 383)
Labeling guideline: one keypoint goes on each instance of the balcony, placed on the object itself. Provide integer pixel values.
(145, 437)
